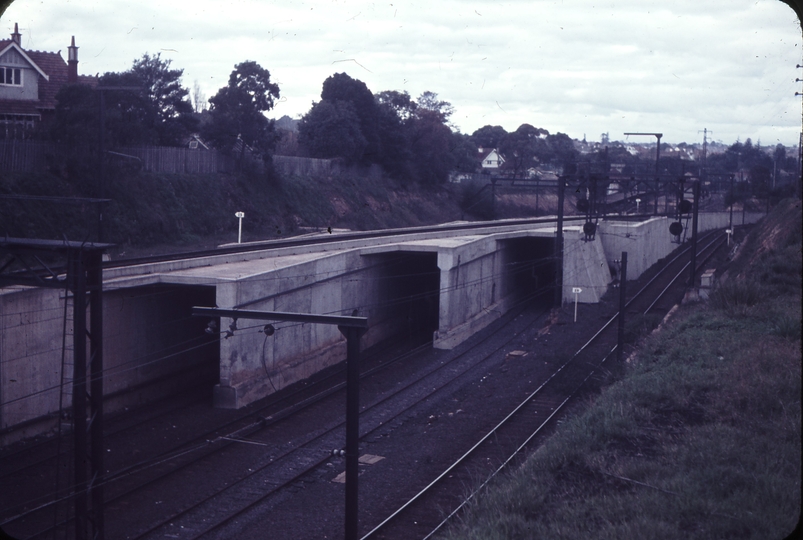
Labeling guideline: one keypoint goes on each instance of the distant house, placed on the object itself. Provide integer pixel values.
(30, 80)
(490, 158)
(194, 142)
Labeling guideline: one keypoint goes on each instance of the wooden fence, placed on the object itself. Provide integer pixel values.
(176, 160)
(302, 166)
(25, 155)
(29, 156)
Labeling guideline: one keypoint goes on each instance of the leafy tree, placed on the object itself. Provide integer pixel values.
(332, 129)
(166, 98)
(431, 139)
(428, 101)
(489, 136)
(237, 111)
(76, 118)
(521, 147)
(395, 155)
(341, 87)
(464, 153)
(564, 154)
(399, 102)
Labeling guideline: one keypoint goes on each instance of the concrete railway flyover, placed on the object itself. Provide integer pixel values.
(445, 283)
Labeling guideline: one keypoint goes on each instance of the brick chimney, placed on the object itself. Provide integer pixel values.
(72, 62)
(16, 37)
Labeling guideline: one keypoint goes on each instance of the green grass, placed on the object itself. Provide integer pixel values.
(700, 438)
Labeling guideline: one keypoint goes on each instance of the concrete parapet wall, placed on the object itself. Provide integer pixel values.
(647, 242)
(31, 322)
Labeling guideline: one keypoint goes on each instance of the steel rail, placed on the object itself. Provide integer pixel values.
(529, 398)
(325, 458)
(718, 243)
(249, 429)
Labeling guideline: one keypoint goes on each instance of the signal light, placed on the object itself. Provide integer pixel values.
(676, 228)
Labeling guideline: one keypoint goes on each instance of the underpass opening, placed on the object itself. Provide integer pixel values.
(408, 295)
(530, 269)
(154, 347)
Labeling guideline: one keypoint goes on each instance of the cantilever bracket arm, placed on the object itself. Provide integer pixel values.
(338, 320)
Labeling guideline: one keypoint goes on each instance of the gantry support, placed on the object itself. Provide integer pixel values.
(352, 328)
(32, 262)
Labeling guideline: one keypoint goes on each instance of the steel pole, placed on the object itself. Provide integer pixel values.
(694, 233)
(352, 429)
(559, 245)
(95, 287)
(79, 396)
(622, 285)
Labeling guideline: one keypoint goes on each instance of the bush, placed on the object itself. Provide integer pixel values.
(475, 199)
(737, 296)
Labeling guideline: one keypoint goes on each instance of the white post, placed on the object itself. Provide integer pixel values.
(576, 291)
(637, 203)
(240, 216)
(729, 232)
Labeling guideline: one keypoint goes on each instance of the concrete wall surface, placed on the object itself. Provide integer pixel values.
(647, 242)
(31, 330)
(584, 266)
(151, 346)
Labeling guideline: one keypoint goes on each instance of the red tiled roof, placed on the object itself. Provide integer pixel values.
(18, 106)
(56, 69)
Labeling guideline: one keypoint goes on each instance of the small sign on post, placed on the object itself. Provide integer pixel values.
(240, 216)
(638, 201)
(729, 232)
(576, 291)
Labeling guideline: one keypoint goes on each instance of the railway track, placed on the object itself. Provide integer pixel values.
(307, 457)
(523, 428)
(134, 481)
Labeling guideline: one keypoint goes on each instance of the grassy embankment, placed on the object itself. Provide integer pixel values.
(700, 438)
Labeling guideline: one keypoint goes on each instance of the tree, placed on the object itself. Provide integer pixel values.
(166, 99)
(332, 129)
(76, 118)
(431, 139)
(464, 153)
(399, 102)
(489, 136)
(428, 101)
(237, 111)
(341, 87)
(521, 147)
(199, 102)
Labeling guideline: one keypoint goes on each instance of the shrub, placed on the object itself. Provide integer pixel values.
(735, 297)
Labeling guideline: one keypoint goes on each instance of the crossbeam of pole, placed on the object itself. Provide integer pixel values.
(352, 328)
(337, 320)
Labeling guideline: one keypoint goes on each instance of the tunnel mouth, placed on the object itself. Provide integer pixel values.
(529, 270)
(409, 295)
(155, 349)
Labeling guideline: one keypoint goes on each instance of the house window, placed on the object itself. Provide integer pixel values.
(11, 76)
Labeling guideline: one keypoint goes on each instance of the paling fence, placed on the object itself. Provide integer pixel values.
(302, 166)
(29, 156)
(19, 155)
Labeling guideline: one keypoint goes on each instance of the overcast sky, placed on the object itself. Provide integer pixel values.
(574, 66)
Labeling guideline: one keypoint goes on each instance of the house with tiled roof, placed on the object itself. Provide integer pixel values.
(30, 80)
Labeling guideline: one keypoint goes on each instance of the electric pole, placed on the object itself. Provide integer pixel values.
(657, 158)
(705, 145)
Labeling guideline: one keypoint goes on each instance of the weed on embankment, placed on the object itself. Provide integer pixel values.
(701, 438)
